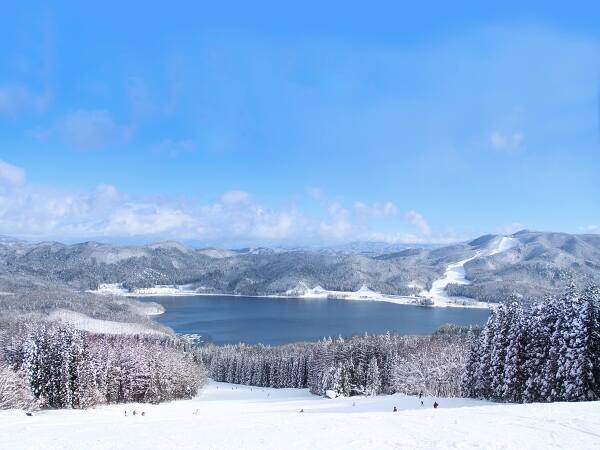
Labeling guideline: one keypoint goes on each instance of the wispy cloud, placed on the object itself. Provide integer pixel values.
(174, 148)
(507, 142)
(90, 129)
(385, 209)
(17, 98)
(30, 210)
(419, 221)
(11, 175)
(85, 129)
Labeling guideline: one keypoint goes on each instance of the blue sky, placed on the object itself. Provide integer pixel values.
(263, 123)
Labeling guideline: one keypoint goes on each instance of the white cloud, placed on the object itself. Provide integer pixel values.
(233, 197)
(11, 175)
(419, 221)
(106, 192)
(139, 219)
(592, 229)
(41, 212)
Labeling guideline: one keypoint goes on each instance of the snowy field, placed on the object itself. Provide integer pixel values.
(89, 324)
(227, 416)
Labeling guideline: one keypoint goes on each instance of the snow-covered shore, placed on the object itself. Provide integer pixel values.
(234, 417)
(366, 294)
(301, 291)
(156, 291)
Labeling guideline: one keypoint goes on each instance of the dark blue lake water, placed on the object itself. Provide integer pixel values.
(276, 321)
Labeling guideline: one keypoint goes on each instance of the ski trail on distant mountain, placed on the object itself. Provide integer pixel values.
(506, 243)
(455, 272)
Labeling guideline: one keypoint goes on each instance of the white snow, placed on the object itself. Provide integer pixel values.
(455, 274)
(366, 294)
(300, 291)
(240, 417)
(116, 254)
(216, 252)
(156, 291)
(86, 323)
(110, 289)
(505, 243)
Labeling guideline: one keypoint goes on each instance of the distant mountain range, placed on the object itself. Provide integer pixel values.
(535, 264)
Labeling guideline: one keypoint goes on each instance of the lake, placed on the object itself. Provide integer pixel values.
(274, 321)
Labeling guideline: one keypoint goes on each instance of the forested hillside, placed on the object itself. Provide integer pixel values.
(538, 264)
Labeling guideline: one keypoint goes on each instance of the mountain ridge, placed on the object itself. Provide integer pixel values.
(538, 264)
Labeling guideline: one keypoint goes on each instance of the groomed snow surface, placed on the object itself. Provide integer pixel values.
(455, 274)
(227, 416)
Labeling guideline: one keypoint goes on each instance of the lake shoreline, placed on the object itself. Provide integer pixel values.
(223, 319)
(361, 295)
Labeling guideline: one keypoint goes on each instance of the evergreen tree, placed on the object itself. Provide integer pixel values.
(373, 381)
(515, 374)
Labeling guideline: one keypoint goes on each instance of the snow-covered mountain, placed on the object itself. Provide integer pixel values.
(529, 264)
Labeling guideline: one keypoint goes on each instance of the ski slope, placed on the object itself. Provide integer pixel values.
(226, 416)
(455, 274)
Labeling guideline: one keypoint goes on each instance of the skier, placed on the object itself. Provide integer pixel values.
(125, 413)
(395, 409)
(420, 394)
(143, 413)
(421, 402)
(134, 413)
(435, 405)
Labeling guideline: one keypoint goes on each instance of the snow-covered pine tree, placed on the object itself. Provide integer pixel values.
(515, 374)
(471, 365)
(373, 380)
(536, 352)
(15, 393)
(582, 352)
(482, 386)
(561, 319)
(499, 345)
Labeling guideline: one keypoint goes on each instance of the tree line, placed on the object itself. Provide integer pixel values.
(48, 364)
(358, 365)
(545, 353)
